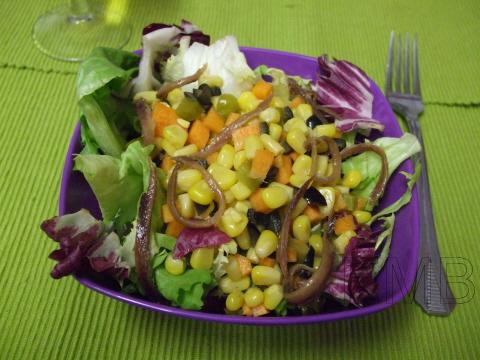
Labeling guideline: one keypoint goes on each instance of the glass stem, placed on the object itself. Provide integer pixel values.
(80, 10)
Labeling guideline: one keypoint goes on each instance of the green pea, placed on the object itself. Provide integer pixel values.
(189, 109)
(227, 104)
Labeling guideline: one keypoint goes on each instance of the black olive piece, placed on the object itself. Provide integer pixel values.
(190, 95)
(310, 257)
(314, 197)
(203, 163)
(274, 222)
(257, 218)
(288, 148)
(203, 95)
(304, 274)
(263, 128)
(272, 173)
(253, 233)
(287, 114)
(200, 208)
(216, 91)
(341, 144)
(313, 121)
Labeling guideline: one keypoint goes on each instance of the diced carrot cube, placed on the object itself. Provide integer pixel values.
(214, 121)
(344, 224)
(266, 261)
(284, 165)
(314, 214)
(239, 135)
(257, 202)
(261, 164)
(163, 116)
(262, 89)
(232, 117)
(199, 134)
(174, 228)
(297, 100)
(245, 265)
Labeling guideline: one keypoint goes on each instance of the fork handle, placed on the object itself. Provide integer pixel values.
(432, 292)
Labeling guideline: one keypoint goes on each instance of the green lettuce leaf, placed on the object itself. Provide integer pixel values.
(369, 164)
(384, 238)
(185, 290)
(118, 183)
(109, 121)
(405, 198)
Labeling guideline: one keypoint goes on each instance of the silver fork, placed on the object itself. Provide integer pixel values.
(432, 292)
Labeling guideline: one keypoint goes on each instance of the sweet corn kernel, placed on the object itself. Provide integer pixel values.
(174, 266)
(342, 189)
(317, 260)
(243, 240)
(361, 216)
(186, 150)
(298, 179)
(302, 165)
(316, 241)
(201, 193)
(299, 208)
(252, 256)
(149, 96)
(247, 101)
(278, 102)
(226, 156)
(185, 206)
(239, 159)
(243, 206)
(253, 297)
(240, 191)
(233, 269)
(187, 178)
(234, 301)
(183, 123)
(272, 145)
(296, 139)
(286, 188)
(224, 177)
(270, 115)
(265, 275)
(341, 242)
(232, 222)
(300, 247)
(175, 96)
(274, 197)
(352, 179)
(267, 244)
(322, 164)
(301, 228)
(296, 123)
(272, 296)
(202, 258)
(229, 198)
(228, 286)
(251, 144)
(165, 145)
(303, 111)
(326, 130)
(211, 80)
(275, 131)
(176, 135)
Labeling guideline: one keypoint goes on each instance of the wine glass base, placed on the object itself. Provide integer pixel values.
(65, 36)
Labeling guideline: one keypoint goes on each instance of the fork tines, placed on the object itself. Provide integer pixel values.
(408, 73)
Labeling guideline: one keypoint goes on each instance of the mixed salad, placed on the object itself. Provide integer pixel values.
(220, 184)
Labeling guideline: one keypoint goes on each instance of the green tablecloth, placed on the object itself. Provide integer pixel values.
(45, 319)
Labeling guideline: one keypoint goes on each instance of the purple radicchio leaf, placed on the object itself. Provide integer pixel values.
(191, 239)
(352, 282)
(344, 89)
(83, 242)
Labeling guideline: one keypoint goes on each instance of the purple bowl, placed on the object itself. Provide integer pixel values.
(394, 281)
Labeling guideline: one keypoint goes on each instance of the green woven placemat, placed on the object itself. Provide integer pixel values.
(45, 319)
